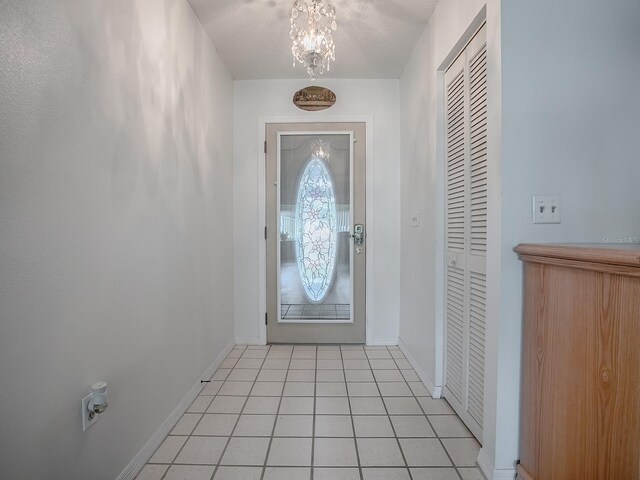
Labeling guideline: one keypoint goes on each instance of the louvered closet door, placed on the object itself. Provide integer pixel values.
(456, 231)
(466, 232)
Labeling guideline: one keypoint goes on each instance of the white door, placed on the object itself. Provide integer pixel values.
(466, 231)
(315, 233)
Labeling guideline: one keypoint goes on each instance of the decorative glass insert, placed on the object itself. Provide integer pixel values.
(316, 230)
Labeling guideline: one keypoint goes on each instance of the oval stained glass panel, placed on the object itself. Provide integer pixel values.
(316, 228)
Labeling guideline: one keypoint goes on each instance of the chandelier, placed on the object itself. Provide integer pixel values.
(312, 41)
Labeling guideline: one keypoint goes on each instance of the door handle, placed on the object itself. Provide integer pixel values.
(358, 234)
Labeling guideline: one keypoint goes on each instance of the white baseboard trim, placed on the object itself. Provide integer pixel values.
(249, 341)
(382, 341)
(486, 465)
(139, 461)
(436, 392)
(258, 341)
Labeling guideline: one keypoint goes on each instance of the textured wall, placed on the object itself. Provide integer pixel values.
(115, 225)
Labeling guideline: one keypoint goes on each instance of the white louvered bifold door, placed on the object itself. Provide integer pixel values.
(456, 230)
(466, 231)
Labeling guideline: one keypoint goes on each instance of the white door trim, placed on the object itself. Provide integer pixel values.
(370, 218)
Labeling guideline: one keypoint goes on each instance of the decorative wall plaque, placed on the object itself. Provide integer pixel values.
(314, 98)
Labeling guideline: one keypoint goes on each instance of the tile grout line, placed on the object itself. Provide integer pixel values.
(353, 425)
(393, 429)
(204, 412)
(313, 426)
(430, 424)
(246, 400)
(275, 423)
(278, 413)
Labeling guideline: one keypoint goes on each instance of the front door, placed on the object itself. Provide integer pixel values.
(316, 232)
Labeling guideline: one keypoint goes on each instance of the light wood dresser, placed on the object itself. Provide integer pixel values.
(580, 394)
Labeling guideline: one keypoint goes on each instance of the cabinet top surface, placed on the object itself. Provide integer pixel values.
(610, 253)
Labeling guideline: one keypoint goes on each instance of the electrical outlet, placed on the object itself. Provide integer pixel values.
(86, 421)
(546, 209)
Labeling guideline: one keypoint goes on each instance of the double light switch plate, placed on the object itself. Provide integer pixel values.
(546, 209)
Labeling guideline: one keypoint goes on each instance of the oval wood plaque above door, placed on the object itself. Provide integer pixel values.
(314, 98)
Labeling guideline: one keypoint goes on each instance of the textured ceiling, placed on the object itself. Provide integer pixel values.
(374, 37)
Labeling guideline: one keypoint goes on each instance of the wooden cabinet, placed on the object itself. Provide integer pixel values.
(580, 396)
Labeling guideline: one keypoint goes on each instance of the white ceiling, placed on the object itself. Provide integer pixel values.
(374, 37)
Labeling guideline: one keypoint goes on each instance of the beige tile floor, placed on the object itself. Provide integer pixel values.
(285, 412)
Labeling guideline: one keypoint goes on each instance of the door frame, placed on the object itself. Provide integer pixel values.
(369, 215)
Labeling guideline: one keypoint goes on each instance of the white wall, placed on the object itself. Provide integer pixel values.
(422, 112)
(115, 226)
(422, 180)
(570, 103)
(255, 100)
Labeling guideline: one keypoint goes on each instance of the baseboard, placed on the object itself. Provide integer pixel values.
(504, 474)
(139, 461)
(383, 341)
(208, 373)
(489, 471)
(257, 341)
(249, 341)
(436, 392)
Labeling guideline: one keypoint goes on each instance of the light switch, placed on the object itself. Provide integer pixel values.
(546, 209)
(415, 219)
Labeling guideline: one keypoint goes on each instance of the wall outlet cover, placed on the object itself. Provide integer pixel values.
(86, 421)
